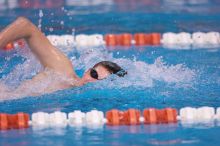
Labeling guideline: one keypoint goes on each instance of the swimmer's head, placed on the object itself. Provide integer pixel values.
(102, 70)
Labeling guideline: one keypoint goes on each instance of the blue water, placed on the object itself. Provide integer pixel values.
(158, 76)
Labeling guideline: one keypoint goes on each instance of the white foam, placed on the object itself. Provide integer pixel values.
(170, 73)
(143, 75)
(140, 74)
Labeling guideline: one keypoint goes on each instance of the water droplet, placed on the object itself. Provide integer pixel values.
(62, 22)
(51, 29)
(41, 14)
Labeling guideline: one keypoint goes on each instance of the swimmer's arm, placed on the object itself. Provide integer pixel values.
(32, 83)
(39, 80)
(24, 87)
(48, 55)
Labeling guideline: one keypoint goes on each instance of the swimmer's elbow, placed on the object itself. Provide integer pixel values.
(23, 22)
(27, 25)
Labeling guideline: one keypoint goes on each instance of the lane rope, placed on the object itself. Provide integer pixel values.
(169, 39)
(114, 117)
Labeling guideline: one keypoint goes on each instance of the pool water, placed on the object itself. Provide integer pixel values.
(157, 76)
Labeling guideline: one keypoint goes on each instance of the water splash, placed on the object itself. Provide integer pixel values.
(41, 14)
(140, 74)
(143, 75)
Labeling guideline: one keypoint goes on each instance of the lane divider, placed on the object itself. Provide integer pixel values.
(9, 47)
(112, 117)
(40, 119)
(196, 39)
(129, 117)
(76, 118)
(169, 39)
(202, 114)
(14, 121)
(138, 39)
(83, 40)
(155, 116)
(17, 44)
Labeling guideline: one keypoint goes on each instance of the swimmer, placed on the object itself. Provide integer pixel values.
(53, 59)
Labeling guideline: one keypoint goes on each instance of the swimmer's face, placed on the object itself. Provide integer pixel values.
(97, 73)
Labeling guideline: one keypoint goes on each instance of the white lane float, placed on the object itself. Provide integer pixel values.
(63, 40)
(83, 40)
(76, 118)
(58, 119)
(199, 38)
(183, 38)
(169, 38)
(217, 116)
(66, 40)
(95, 117)
(40, 119)
(187, 115)
(213, 38)
(96, 40)
(205, 114)
(197, 115)
(54, 39)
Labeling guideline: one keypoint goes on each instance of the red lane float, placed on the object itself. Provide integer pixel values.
(155, 38)
(148, 39)
(124, 39)
(142, 39)
(19, 120)
(120, 39)
(139, 39)
(14, 121)
(114, 117)
(155, 116)
(150, 116)
(9, 47)
(131, 117)
(21, 43)
(4, 122)
(167, 115)
(111, 39)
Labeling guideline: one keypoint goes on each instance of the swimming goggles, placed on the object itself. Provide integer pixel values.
(94, 74)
